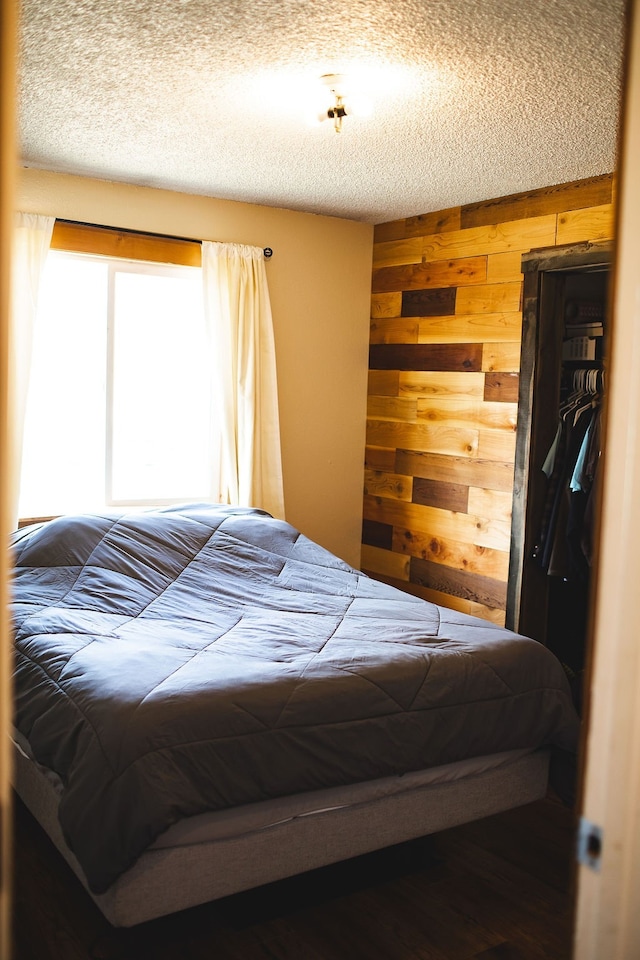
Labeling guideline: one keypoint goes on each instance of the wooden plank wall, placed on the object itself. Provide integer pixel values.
(446, 317)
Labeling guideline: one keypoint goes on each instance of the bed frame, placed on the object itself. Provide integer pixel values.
(165, 880)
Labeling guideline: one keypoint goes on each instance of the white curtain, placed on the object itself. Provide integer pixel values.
(31, 241)
(238, 316)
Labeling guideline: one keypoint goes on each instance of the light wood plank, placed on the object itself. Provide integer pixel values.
(436, 438)
(392, 252)
(463, 527)
(501, 357)
(441, 384)
(493, 475)
(430, 275)
(461, 556)
(502, 387)
(379, 561)
(498, 416)
(490, 503)
(392, 408)
(402, 330)
(504, 267)
(496, 444)
(470, 328)
(593, 223)
(489, 298)
(496, 238)
(393, 485)
(386, 305)
(383, 383)
(492, 614)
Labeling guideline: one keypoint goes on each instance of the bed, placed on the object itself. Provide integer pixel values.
(207, 700)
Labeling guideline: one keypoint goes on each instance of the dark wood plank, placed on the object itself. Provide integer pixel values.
(502, 387)
(439, 302)
(570, 256)
(458, 583)
(392, 230)
(423, 225)
(591, 192)
(376, 534)
(383, 384)
(426, 224)
(459, 357)
(437, 274)
(435, 493)
(380, 458)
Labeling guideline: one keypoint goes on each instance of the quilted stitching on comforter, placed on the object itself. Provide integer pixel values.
(196, 658)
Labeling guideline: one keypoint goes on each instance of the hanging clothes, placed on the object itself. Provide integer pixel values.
(564, 545)
(555, 559)
(591, 474)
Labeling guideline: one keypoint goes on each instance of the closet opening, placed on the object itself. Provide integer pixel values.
(562, 383)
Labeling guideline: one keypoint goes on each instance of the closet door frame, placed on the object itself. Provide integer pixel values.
(539, 389)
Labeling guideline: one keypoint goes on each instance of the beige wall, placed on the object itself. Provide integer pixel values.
(319, 281)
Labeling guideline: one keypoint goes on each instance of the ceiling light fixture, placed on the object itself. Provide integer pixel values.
(338, 109)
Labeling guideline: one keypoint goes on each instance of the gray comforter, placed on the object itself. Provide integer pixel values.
(197, 658)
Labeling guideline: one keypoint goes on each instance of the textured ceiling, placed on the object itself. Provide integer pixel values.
(472, 99)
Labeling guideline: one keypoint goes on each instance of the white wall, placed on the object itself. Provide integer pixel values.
(319, 281)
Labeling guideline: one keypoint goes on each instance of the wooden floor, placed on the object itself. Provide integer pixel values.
(497, 889)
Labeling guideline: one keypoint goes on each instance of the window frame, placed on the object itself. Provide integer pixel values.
(133, 247)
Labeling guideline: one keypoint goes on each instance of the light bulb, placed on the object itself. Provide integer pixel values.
(359, 106)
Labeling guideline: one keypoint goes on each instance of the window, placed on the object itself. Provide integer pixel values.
(119, 409)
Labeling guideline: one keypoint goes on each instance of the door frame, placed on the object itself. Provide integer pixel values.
(8, 168)
(538, 393)
(608, 919)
